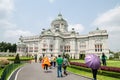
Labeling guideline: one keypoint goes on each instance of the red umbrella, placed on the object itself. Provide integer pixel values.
(92, 61)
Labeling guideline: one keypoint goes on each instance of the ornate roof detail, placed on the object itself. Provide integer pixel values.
(47, 32)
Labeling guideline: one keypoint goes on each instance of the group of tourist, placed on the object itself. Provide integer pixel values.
(62, 62)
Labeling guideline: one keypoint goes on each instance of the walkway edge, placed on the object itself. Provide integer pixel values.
(12, 74)
(17, 73)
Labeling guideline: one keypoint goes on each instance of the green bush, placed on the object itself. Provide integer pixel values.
(83, 56)
(111, 58)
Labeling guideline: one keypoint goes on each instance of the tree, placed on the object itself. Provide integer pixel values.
(7, 46)
(14, 48)
(111, 52)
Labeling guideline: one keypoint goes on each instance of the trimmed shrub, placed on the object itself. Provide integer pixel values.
(17, 59)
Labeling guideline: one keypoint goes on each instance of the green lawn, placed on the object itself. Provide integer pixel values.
(112, 63)
(89, 74)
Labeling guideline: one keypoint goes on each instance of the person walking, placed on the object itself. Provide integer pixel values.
(54, 61)
(93, 61)
(51, 61)
(59, 61)
(65, 64)
(45, 63)
(35, 57)
(94, 72)
(104, 59)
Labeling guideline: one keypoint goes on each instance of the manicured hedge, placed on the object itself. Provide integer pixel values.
(113, 69)
(100, 72)
(105, 68)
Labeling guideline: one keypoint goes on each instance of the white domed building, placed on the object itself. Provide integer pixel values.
(58, 40)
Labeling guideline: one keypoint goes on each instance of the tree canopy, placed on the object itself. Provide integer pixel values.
(4, 47)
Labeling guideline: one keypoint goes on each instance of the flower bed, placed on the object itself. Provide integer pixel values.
(105, 68)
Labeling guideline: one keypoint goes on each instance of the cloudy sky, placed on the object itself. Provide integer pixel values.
(29, 17)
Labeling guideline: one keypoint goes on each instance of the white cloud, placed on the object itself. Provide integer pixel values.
(110, 21)
(78, 27)
(6, 7)
(9, 31)
(15, 34)
(51, 1)
(7, 25)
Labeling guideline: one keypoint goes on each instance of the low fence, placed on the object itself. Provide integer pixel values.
(7, 71)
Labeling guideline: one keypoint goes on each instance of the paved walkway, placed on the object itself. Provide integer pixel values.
(34, 71)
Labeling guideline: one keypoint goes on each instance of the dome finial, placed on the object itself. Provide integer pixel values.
(97, 28)
(59, 15)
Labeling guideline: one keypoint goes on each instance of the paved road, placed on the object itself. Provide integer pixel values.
(34, 71)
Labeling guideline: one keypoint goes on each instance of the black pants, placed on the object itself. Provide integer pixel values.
(94, 71)
(104, 62)
(54, 63)
(64, 68)
(45, 67)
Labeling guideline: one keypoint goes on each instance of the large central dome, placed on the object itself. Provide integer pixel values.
(59, 23)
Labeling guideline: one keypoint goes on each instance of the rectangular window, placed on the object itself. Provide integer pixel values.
(67, 48)
(43, 49)
(98, 47)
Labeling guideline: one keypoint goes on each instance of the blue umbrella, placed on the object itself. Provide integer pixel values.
(92, 61)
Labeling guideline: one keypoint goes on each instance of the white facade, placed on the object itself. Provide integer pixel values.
(58, 40)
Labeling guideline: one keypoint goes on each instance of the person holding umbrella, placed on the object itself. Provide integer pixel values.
(93, 62)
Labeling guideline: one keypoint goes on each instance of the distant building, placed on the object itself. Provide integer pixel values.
(58, 40)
